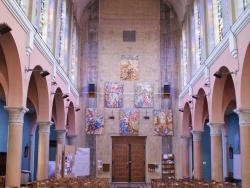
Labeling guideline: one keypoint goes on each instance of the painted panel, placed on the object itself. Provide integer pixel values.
(144, 95)
(113, 95)
(129, 122)
(94, 121)
(163, 122)
(129, 67)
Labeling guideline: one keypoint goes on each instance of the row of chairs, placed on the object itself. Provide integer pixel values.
(76, 182)
(190, 183)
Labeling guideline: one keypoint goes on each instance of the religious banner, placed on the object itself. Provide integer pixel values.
(129, 67)
(94, 121)
(163, 122)
(144, 95)
(113, 95)
(129, 122)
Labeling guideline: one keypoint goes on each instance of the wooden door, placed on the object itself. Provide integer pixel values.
(128, 159)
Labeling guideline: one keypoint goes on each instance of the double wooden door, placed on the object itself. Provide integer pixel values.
(128, 159)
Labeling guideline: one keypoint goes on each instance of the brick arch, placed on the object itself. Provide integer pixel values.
(71, 119)
(186, 120)
(59, 110)
(200, 110)
(39, 95)
(13, 74)
(217, 96)
(244, 90)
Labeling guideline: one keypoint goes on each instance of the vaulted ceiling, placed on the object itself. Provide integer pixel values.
(178, 5)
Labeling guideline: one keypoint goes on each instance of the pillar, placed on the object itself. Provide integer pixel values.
(72, 140)
(43, 150)
(61, 136)
(244, 122)
(197, 144)
(15, 140)
(185, 156)
(216, 150)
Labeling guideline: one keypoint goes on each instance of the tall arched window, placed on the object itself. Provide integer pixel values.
(210, 23)
(64, 34)
(74, 57)
(197, 27)
(184, 55)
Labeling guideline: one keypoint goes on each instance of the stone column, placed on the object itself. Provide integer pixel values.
(61, 136)
(216, 150)
(244, 122)
(197, 154)
(72, 140)
(15, 140)
(185, 156)
(43, 150)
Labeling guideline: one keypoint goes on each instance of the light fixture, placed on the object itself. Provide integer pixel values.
(146, 116)
(43, 73)
(181, 109)
(198, 96)
(219, 74)
(76, 108)
(64, 95)
(111, 116)
(4, 28)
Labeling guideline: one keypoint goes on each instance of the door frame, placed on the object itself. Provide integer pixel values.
(145, 171)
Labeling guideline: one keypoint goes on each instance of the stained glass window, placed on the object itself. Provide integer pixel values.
(197, 33)
(74, 54)
(184, 56)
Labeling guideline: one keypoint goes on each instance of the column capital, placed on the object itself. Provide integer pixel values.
(72, 139)
(185, 139)
(61, 133)
(16, 114)
(44, 126)
(215, 128)
(244, 116)
(196, 135)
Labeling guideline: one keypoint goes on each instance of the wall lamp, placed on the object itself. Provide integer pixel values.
(43, 73)
(111, 116)
(64, 95)
(219, 74)
(198, 96)
(76, 108)
(181, 109)
(4, 28)
(146, 116)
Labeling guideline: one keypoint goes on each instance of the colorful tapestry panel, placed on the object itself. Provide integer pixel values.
(144, 95)
(129, 67)
(129, 121)
(94, 121)
(163, 122)
(113, 95)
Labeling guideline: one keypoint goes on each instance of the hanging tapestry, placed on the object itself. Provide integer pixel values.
(163, 122)
(113, 95)
(94, 121)
(129, 67)
(129, 121)
(144, 95)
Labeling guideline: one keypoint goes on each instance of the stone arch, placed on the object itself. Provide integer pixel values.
(186, 120)
(244, 90)
(58, 110)
(222, 92)
(11, 71)
(71, 119)
(39, 95)
(200, 110)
